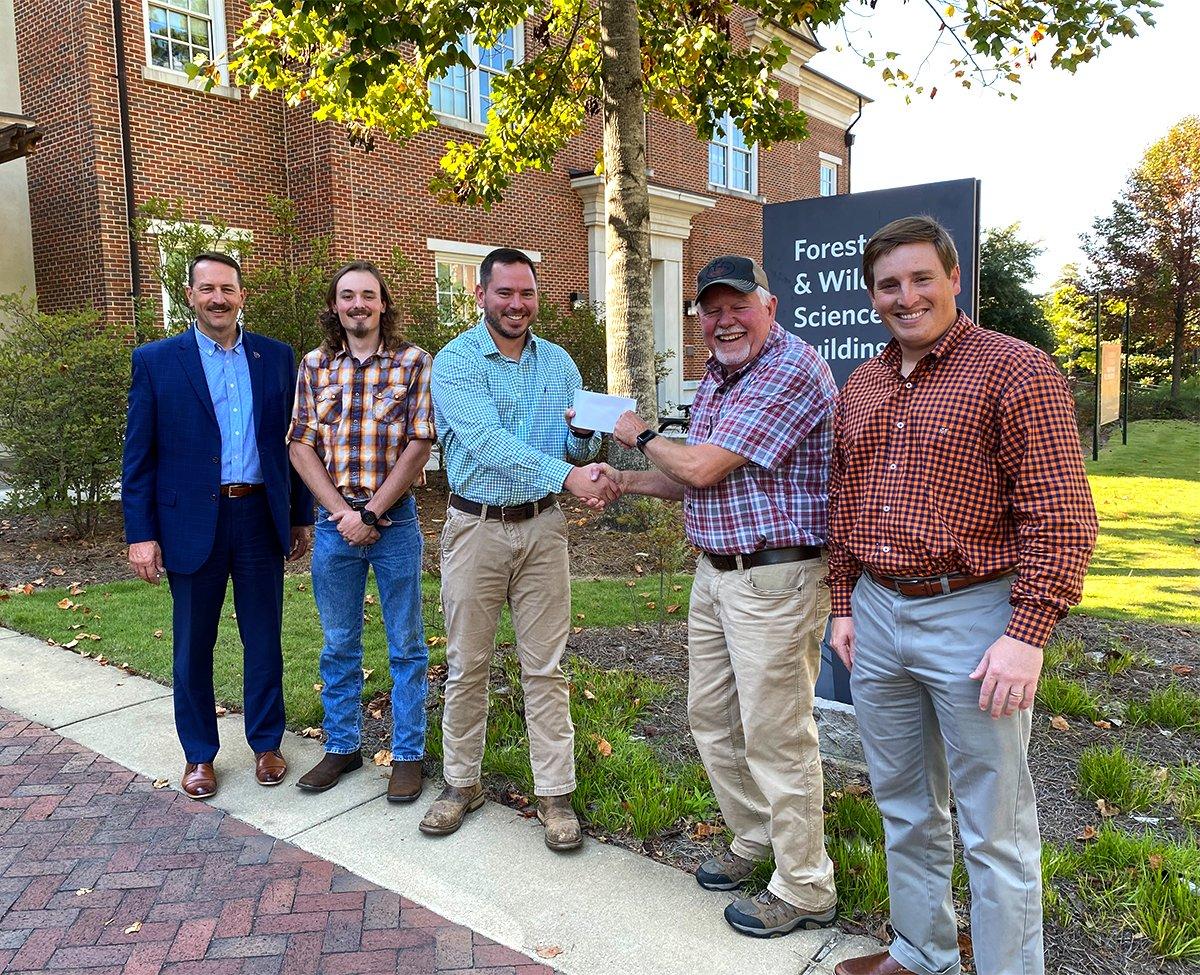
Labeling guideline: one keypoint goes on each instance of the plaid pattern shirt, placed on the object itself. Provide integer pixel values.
(501, 420)
(776, 412)
(970, 464)
(359, 416)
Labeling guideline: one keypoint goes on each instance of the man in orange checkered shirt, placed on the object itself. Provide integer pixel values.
(961, 525)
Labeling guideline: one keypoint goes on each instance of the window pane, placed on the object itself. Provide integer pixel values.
(737, 139)
(200, 6)
(828, 179)
(716, 164)
(158, 21)
(200, 34)
(741, 171)
(497, 58)
(179, 28)
(180, 55)
(160, 53)
(485, 94)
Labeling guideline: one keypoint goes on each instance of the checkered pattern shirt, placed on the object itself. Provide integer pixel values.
(501, 420)
(359, 416)
(777, 413)
(970, 464)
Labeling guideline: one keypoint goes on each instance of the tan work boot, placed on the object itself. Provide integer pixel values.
(447, 812)
(562, 825)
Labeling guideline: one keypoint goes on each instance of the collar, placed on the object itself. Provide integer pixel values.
(209, 347)
(345, 351)
(774, 336)
(891, 355)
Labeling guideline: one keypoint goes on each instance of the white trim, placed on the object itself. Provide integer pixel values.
(219, 55)
(728, 123)
(156, 227)
(454, 248)
(836, 160)
(462, 124)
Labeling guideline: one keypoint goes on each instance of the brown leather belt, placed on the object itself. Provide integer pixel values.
(935, 585)
(495, 512)
(768, 556)
(241, 490)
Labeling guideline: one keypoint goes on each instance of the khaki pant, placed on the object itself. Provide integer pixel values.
(484, 565)
(753, 655)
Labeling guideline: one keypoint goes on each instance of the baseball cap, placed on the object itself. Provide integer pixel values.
(741, 273)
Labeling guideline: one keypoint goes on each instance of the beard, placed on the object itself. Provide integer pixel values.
(496, 323)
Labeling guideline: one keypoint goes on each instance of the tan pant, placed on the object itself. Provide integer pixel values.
(484, 565)
(753, 655)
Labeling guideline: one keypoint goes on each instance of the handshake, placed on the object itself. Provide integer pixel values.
(596, 485)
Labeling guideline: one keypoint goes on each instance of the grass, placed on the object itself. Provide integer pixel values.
(1118, 778)
(127, 615)
(1148, 498)
(1063, 654)
(1173, 706)
(1062, 695)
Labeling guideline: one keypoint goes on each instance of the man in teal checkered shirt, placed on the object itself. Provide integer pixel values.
(502, 401)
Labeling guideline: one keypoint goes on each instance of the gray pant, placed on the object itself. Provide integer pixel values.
(923, 732)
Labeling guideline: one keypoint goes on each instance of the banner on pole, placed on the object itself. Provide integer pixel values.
(1110, 382)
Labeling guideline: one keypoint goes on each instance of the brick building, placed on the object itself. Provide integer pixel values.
(122, 124)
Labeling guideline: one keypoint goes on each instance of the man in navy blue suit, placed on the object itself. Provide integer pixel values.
(208, 494)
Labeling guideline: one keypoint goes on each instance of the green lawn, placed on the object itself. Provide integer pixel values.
(126, 616)
(1147, 561)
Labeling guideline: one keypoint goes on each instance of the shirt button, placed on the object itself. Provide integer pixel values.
(891, 467)
(887, 507)
(908, 385)
(216, 460)
(899, 424)
(885, 548)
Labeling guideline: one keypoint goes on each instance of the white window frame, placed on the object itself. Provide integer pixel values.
(232, 246)
(728, 149)
(475, 115)
(470, 255)
(831, 165)
(218, 54)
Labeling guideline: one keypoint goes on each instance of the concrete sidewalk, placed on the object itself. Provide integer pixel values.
(610, 911)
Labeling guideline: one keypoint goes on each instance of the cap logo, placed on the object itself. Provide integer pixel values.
(719, 269)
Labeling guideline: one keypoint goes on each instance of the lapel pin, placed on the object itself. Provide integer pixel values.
(256, 355)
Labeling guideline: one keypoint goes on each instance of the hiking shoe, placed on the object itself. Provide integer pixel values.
(447, 812)
(766, 916)
(562, 825)
(725, 872)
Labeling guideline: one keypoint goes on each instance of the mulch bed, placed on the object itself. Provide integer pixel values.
(42, 550)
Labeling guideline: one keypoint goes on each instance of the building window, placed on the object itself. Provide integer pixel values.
(456, 280)
(466, 94)
(179, 30)
(829, 175)
(731, 162)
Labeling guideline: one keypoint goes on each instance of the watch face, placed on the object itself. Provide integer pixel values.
(368, 517)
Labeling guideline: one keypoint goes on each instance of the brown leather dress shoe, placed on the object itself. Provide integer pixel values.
(199, 780)
(325, 774)
(270, 767)
(881, 963)
(406, 782)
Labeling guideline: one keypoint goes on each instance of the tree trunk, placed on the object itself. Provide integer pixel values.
(1177, 351)
(628, 320)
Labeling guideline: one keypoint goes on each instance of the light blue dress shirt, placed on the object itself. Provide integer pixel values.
(228, 376)
(500, 421)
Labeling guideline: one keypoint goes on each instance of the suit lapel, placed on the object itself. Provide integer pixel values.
(189, 358)
(257, 378)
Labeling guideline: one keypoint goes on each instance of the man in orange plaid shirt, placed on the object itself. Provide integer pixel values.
(961, 525)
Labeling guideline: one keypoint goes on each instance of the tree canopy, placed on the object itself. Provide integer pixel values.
(1147, 249)
(1006, 266)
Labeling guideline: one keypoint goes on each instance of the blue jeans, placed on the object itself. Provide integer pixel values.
(339, 580)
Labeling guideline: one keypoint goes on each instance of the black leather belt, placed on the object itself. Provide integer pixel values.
(241, 490)
(768, 556)
(495, 512)
(935, 585)
(359, 503)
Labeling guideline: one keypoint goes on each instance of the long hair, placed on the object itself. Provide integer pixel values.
(331, 326)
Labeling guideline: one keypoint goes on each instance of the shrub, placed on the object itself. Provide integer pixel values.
(64, 420)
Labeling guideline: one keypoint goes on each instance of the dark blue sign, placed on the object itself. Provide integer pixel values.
(812, 253)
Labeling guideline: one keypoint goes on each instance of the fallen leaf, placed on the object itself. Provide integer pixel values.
(1106, 809)
(158, 634)
(1155, 861)
(367, 672)
(644, 595)
(101, 660)
(58, 572)
(576, 629)
(705, 830)
(161, 783)
(677, 589)
(370, 600)
(630, 584)
(318, 687)
(589, 694)
(1103, 725)
(374, 711)
(603, 747)
(651, 605)
(382, 757)
(548, 951)
(221, 711)
(1180, 670)
(579, 616)
(673, 608)
(1059, 723)
(856, 789)
(310, 732)
(70, 645)
(1087, 834)
(28, 588)
(83, 890)
(134, 928)
(638, 569)
(436, 641)
(300, 587)
(63, 603)
(39, 581)
(76, 589)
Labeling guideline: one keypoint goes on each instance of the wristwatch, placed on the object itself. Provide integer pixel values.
(644, 438)
(369, 518)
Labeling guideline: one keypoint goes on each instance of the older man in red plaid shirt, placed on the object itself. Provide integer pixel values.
(752, 477)
(961, 527)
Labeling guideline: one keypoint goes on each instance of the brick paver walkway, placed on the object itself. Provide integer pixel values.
(102, 873)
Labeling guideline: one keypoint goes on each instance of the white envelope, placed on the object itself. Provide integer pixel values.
(599, 411)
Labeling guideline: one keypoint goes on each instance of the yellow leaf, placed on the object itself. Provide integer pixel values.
(673, 608)
(367, 672)
(134, 928)
(576, 629)
(382, 757)
(579, 616)
(631, 584)
(310, 732)
(370, 600)
(589, 694)
(950, 11)
(161, 783)
(1106, 809)
(603, 747)
(83, 890)
(221, 711)
(318, 687)
(158, 634)
(63, 603)
(1059, 723)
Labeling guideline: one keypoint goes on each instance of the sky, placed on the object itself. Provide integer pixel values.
(1053, 160)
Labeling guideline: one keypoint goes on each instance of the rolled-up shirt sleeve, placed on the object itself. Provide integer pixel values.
(304, 412)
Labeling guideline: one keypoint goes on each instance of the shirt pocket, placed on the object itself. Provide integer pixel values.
(328, 405)
(388, 403)
(961, 476)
